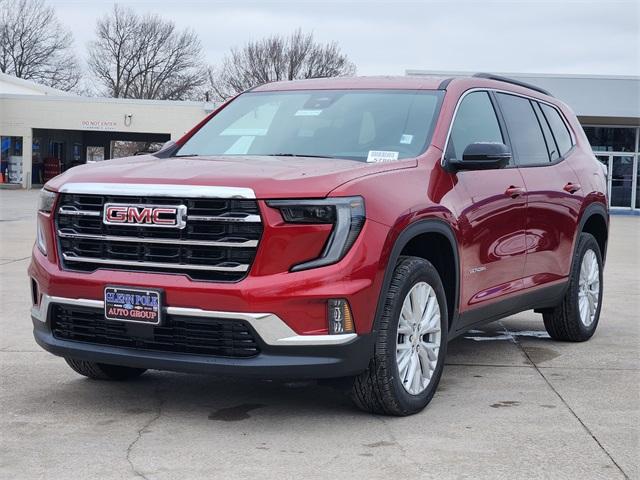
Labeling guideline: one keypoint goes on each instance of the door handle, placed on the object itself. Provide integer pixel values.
(572, 187)
(514, 192)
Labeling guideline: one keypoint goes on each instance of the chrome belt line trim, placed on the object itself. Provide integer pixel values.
(205, 218)
(159, 190)
(268, 326)
(167, 241)
(174, 266)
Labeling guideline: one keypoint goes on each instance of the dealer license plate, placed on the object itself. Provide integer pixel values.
(133, 305)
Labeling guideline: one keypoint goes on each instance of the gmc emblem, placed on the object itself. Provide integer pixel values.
(168, 216)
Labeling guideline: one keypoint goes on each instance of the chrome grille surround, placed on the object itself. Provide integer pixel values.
(218, 242)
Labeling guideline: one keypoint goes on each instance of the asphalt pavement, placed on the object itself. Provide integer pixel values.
(512, 403)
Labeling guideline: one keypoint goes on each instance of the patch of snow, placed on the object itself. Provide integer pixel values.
(531, 333)
(509, 335)
(486, 339)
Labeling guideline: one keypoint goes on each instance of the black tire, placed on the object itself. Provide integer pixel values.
(379, 389)
(563, 322)
(102, 371)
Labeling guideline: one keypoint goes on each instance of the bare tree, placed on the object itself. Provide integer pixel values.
(127, 148)
(145, 57)
(35, 46)
(278, 58)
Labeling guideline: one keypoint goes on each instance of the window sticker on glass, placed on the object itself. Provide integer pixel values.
(406, 139)
(307, 113)
(379, 156)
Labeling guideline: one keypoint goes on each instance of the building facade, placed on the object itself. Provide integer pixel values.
(608, 107)
(44, 131)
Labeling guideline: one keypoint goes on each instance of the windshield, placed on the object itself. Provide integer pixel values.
(364, 125)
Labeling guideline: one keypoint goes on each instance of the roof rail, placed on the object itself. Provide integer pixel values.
(444, 83)
(498, 78)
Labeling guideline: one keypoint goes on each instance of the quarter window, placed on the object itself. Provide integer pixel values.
(559, 128)
(552, 147)
(525, 133)
(475, 121)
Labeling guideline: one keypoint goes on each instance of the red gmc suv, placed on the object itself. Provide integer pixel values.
(327, 228)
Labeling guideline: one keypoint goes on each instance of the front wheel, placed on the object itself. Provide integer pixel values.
(576, 318)
(408, 359)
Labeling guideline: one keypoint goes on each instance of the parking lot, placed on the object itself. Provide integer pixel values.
(512, 403)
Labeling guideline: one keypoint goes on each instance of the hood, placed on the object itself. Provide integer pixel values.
(269, 177)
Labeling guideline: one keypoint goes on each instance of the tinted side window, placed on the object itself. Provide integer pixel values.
(475, 122)
(525, 134)
(552, 147)
(559, 128)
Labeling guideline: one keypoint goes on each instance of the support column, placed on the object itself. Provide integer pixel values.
(27, 158)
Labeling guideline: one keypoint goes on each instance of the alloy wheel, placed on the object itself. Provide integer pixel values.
(588, 288)
(419, 337)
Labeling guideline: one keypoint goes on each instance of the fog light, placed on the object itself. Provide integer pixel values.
(339, 317)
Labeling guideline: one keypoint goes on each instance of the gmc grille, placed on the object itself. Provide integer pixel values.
(178, 334)
(219, 241)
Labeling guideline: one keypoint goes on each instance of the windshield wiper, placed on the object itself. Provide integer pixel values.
(296, 155)
(266, 155)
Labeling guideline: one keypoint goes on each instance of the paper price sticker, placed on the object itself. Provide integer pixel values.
(380, 156)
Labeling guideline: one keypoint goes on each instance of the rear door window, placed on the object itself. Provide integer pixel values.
(524, 129)
(475, 121)
(558, 127)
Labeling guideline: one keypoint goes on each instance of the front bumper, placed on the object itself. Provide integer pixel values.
(298, 298)
(283, 353)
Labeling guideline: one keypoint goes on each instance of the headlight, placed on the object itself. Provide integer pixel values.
(309, 213)
(347, 214)
(47, 199)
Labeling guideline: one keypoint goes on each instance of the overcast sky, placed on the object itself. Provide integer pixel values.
(388, 37)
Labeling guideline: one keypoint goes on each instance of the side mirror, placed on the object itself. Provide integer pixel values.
(482, 156)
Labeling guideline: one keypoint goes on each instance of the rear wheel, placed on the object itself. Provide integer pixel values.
(405, 370)
(102, 371)
(576, 318)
